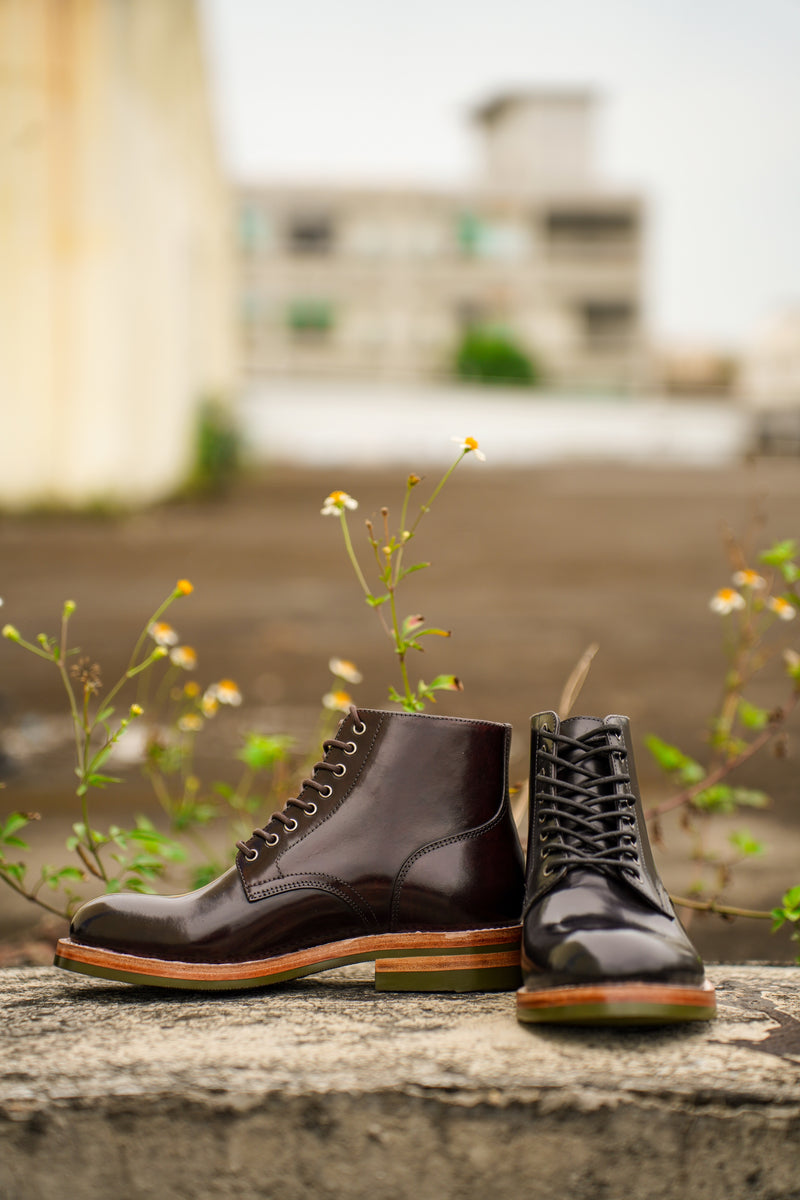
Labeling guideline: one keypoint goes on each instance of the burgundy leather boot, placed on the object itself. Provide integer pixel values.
(601, 943)
(400, 849)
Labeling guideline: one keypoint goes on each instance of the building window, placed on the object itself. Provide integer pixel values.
(310, 233)
(608, 324)
(310, 319)
(492, 239)
(254, 229)
(589, 227)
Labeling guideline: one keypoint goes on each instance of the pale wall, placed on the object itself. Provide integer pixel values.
(115, 280)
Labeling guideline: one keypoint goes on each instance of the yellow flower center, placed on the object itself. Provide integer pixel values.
(726, 594)
(471, 443)
(184, 587)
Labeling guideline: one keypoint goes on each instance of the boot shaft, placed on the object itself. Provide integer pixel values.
(585, 806)
(413, 817)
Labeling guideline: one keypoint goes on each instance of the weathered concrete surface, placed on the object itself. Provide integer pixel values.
(326, 1088)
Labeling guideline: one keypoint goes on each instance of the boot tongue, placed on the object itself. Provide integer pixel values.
(601, 812)
(581, 728)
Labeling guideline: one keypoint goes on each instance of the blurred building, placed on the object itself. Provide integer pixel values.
(116, 282)
(385, 281)
(771, 381)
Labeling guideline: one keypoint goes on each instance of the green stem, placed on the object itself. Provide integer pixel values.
(723, 910)
(29, 896)
(401, 654)
(425, 508)
(162, 608)
(352, 554)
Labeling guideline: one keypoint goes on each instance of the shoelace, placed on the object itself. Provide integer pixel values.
(582, 825)
(308, 808)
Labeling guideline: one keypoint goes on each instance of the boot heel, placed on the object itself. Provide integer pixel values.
(486, 970)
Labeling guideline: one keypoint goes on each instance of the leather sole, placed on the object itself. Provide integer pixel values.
(463, 961)
(617, 1004)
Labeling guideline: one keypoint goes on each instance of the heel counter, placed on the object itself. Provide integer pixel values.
(469, 881)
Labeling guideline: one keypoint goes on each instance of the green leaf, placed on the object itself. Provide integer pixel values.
(261, 752)
(743, 841)
(100, 781)
(722, 798)
(790, 572)
(204, 874)
(17, 820)
(377, 601)
(113, 885)
(751, 716)
(673, 761)
(100, 758)
(15, 870)
(780, 553)
(750, 798)
(16, 842)
(105, 714)
(136, 884)
(410, 570)
(442, 683)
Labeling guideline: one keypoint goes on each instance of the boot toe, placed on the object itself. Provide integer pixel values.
(113, 923)
(616, 955)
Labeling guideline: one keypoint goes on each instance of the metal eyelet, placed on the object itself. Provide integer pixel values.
(272, 840)
(546, 869)
(251, 855)
(310, 809)
(326, 791)
(350, 748)
(359, 729)
(339, 770)
(291, 826)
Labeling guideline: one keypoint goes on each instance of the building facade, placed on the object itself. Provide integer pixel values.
(116, 271)
(385, 282)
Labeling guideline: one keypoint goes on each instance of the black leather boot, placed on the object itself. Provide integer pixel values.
(400, 849)
(601, 943)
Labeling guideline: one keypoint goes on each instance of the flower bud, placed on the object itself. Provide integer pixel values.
(11, 633)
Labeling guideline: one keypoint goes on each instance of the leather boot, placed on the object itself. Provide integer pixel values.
(400, 849)
(601, 941)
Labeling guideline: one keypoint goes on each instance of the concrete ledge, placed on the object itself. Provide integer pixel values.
(327, 1088)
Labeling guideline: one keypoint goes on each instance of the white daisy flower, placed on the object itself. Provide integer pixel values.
(342, 668)
(782, 608)
(750, 579)
(470, 446)
(336, 503)
(727, 600)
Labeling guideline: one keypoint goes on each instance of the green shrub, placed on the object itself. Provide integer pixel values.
(489, 355)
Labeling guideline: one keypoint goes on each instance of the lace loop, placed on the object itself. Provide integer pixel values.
(308, 808)
(583, 807)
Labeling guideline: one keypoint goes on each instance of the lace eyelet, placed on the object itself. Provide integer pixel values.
(326, 791)
(251, 855)
(272, 840)
(546, 870)
(290, 828)
(350, 748)
(339, 770)
(359, 729)
(310, 809)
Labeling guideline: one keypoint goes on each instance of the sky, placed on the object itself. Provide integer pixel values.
(700, 112)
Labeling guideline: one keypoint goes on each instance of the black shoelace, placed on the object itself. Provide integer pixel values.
(585, 814)
(307, 807)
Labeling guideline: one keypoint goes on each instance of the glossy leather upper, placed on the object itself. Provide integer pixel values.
(415, 834)
(610, 920)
